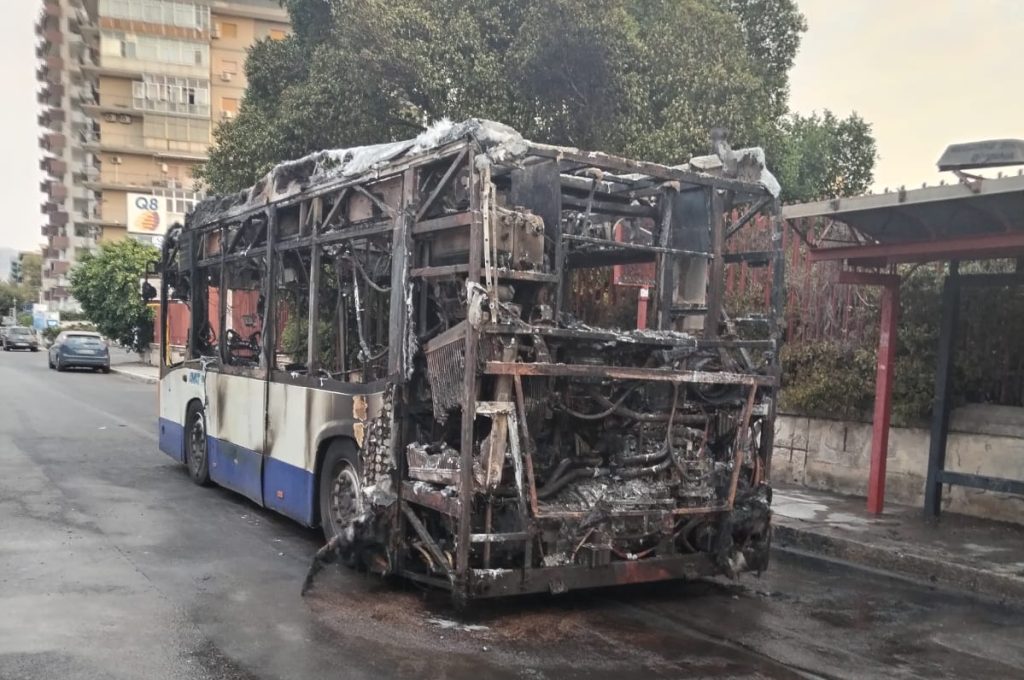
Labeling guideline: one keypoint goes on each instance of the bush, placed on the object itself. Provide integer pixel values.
(827, 380)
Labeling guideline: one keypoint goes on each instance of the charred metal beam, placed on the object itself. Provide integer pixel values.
(469, 393)
(626, 373)
(401, 242)
(632, 246)
(431, 499)
(747, 216)
(511, 537)
(460, 219)
(384, 207)
(597, 159)
(716, 273)
(442, 184)
(428, 541)
(606, 257)
(611, 207)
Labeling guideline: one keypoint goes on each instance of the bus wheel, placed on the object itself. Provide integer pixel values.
(341, 489)
(196, 448)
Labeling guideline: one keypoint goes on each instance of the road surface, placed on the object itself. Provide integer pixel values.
(114, 566)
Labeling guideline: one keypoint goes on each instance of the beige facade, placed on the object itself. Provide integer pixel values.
(132, 91)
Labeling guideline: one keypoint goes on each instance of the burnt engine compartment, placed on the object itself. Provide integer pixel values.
(617, 468)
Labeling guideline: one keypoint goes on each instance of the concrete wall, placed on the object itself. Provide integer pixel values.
(835, 455)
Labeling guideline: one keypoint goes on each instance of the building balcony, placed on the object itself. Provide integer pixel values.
(50, 94)
(51, 118)
(47, 22)
(50, 69)
(60, 242)
(136, 106)
(86, 176)
(51, 8)
(49, 31)
(79, 18)
(47, 207)
(83, 60)
(58, 218)
(111, 178)
(50, 253)
(86, 95)
(57, 191)
(54, 142)
(158, 147)
(56, 293)
(54, 166)
(59, 267)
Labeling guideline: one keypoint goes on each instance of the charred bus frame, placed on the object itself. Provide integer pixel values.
(592, 456)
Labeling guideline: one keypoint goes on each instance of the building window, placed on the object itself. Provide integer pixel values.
(180, 14)
(228, 30)
(229, 105)
(169, 94)
(178, 202)
(154, 49)
(277, 34)
(228, 66)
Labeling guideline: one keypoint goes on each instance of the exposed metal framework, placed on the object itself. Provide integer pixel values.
(514, 447)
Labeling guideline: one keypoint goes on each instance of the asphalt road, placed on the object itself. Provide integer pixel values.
(113, 565)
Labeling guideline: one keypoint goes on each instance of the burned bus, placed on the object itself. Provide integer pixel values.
(413, 344)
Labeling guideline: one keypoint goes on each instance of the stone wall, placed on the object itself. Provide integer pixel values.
(835, 455)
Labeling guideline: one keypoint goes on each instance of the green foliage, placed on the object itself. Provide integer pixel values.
(836, 378)
(107, 286)
(295, 338)
(31, 269)
(827, 379)
(644, 78)
(824, 156)
(50, 333)
(13, 293)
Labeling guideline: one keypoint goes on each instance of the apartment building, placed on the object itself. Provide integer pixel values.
(131, 92)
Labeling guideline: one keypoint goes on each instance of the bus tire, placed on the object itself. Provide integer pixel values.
(340, 487)
(197, 456)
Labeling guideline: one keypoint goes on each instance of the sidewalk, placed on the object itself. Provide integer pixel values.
(137, 371)
(957, 552)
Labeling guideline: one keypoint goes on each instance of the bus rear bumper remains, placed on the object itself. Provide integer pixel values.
(486, 583)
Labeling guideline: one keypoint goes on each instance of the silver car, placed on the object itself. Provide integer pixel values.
(80, 349)
(19, 337)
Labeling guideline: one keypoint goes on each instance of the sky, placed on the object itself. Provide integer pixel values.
(924, 73)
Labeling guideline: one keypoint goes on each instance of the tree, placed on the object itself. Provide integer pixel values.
(106, 284)
(32, 271)
(640, 77)
(11, 294)
(823, 156)
(644, 78)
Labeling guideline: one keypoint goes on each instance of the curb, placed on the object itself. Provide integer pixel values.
(957, 577)
(138, 377)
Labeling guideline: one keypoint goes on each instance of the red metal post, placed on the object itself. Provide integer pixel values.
(883, 378)
(883, 397)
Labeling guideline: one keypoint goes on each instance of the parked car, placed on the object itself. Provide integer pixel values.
(19, 337)
(79, 349)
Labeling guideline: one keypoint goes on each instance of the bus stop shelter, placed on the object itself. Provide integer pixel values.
(973, 219)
